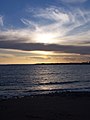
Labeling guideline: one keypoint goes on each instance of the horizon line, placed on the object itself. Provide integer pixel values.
(88, 62)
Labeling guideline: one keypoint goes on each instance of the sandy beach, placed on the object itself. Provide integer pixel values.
(57, 106)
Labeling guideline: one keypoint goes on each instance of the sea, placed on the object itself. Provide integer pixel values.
(26, 80)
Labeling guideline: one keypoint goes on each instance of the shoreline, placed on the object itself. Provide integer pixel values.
(57, 106)
(56, 93)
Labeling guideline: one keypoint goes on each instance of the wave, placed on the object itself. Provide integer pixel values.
(60, 90)
(60, 83)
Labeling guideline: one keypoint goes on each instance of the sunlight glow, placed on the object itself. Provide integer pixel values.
(45, 38)
(42, 52)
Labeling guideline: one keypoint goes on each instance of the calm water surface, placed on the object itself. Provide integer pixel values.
(21, 80)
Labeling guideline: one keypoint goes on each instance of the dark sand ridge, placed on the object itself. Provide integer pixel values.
(57, 106)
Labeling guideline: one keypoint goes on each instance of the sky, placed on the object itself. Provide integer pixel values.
(44, 31)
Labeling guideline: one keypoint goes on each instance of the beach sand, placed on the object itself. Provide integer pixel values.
(63, 106)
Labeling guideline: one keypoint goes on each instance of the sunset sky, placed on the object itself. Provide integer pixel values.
(44, 31)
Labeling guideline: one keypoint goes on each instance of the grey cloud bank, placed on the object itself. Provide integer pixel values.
(45, 47)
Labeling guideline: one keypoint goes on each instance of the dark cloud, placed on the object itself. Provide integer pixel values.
(85, 42)
(45, 47)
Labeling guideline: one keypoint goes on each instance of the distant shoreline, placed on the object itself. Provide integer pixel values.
(83, 63)
(87, 63)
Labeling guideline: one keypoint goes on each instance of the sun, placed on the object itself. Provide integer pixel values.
(45, 38)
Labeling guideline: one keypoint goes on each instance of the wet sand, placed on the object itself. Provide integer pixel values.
(57, 106)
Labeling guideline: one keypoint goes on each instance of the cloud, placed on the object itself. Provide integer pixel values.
(15, 35)
(45, 47)
(54, 14)
(1, 21)
(62, 30)
(73, 1)
(63, 23)
(29, 23)
(39, 57)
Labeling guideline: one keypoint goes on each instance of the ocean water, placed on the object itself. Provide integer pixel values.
(23, 80)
